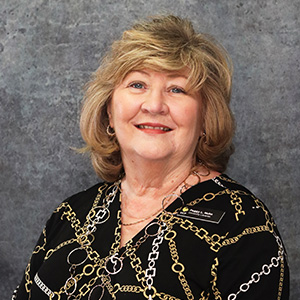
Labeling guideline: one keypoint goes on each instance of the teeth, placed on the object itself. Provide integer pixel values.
(151, 127)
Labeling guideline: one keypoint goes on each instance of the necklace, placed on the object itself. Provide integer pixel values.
(113, 263)
(184, 187)
(146, 218)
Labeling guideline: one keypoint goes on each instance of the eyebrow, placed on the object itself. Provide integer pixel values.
(169, 74)
(174, 75)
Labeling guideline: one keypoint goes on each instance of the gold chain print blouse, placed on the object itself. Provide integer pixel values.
(218, 241)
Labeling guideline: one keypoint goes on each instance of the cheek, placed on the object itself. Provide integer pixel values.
(124, 110)
(116, 107)
(192, 117)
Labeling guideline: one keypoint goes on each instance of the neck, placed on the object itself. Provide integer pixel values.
(144, 188)
(143, 200)
(153, 179)
(147, 182)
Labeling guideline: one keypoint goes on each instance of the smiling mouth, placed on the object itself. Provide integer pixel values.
(154, 127)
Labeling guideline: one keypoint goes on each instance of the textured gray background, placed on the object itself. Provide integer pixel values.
(48, 50)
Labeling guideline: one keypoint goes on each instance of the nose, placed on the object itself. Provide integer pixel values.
(155, 103)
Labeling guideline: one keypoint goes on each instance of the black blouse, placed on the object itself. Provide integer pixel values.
(218, 241)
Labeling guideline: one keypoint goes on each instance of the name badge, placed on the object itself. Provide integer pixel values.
(202, 214)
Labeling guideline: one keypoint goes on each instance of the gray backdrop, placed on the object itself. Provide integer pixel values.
(48, 49)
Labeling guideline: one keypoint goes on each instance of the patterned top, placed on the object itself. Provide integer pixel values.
(216, 241)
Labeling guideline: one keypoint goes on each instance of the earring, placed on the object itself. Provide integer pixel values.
(203, 135)
(110, 131)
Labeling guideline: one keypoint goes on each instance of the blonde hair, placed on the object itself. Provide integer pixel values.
(162, 43)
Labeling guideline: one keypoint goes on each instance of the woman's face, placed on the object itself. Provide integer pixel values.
(154, 118)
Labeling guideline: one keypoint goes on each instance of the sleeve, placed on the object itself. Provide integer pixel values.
(252, 263)
(23, 291)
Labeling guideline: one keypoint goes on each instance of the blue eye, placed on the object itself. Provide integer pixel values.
(137, 85)
(177, 90)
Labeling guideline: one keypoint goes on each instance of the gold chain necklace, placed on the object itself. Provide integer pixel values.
(144, 219)
(182, 189)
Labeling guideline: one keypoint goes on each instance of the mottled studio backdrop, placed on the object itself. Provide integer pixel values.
(48, 49)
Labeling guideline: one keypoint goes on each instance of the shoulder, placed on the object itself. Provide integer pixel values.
(86, 197)
(243, 205)
(77, 205)
(230, 207)
(224, 193)
(239, 199)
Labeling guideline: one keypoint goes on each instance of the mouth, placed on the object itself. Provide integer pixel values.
(161, 128)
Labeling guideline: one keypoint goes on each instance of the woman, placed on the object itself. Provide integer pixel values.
(167, 223)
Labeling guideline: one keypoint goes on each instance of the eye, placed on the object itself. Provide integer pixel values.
(137, 85)
(177, 90)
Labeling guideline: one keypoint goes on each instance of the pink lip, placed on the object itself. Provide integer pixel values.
(156, 128)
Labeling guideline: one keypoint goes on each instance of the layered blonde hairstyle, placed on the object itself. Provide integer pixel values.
(165, 44)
